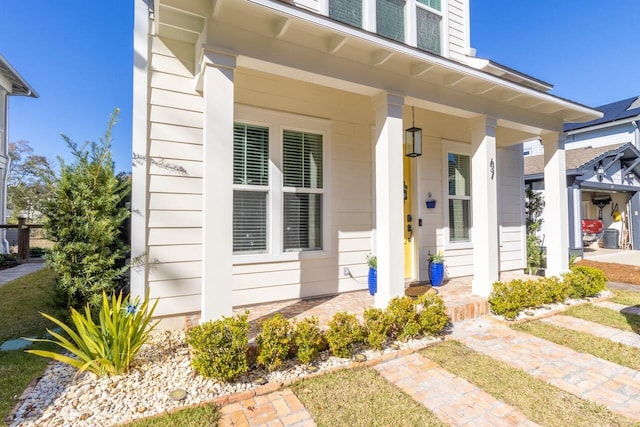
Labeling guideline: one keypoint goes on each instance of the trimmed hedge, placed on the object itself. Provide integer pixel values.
(508, 299)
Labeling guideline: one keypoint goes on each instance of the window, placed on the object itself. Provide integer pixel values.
(279, 180)
(347, 11)
(459, 195)
(251, 186)
(429, 25)
(390, 19)
(302, 176)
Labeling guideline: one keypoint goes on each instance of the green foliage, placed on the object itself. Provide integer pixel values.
(433, 313)
(106, 348)
(437, 258)
(585, 281)
(377, 327)
(27, 187)
(85, 217)
(36, 251)
(372, 261)
(219, 348)
(534, 205)
(404, 318)
(343, 334)
(275, 341)
(8, 260)
(308, 339)
(508, 299)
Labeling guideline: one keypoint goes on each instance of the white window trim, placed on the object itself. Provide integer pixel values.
(277, 121)
(464, 149)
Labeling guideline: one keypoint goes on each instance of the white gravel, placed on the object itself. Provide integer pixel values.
(64, 398)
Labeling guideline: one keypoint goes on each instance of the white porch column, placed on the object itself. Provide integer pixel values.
(217, 192)
(484, 189)
(555, 197)
(389, 134)
(575, 219)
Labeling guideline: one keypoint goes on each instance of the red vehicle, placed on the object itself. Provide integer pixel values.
(592, 230)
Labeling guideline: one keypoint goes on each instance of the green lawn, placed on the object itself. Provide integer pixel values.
(200, 416)
(20, 302)
(607, 317)
(625, 297)
(360, 397)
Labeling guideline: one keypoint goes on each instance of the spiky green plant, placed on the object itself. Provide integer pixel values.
(106, 348)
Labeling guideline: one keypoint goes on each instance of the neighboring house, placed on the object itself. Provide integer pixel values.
(268, 137)
(11, 84)
(603, 170)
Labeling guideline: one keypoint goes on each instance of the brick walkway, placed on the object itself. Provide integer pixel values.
(588, 377)
(452, 399)
(596, 329)
(619, 307)
(279, 408)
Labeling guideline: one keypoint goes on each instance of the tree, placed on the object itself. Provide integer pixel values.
(84, 219)
(534, 205)
(27, 183)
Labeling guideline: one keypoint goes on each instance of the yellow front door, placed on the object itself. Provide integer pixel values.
(409, 226)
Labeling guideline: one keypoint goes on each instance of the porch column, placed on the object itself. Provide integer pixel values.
(389, 196)
(484, 189)
(575, 219)
(555, 195)
(634, 221)
(217, 191)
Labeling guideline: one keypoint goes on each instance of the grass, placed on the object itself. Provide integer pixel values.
(538, 401)
(625, 297)
(20, 302)
(607, 317)
(199, 416)
(583, 342)
(360, 397)
(22, 299)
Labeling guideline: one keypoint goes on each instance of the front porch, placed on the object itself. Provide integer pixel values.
(461, 304)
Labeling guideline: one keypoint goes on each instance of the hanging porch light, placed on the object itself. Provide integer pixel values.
(413, 138)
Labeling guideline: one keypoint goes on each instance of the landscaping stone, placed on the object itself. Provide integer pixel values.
(16, 344)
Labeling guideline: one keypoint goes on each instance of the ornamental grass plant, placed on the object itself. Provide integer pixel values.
(107, 347)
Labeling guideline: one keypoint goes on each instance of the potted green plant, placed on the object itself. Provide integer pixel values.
(372, 278)
(436, 268)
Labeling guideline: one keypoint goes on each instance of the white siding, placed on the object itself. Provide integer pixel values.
(511, 208)
(458, 29)
(533, 147)
(620, 134)
(174, 215)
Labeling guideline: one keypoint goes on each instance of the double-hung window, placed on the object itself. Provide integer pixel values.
(429, 25)
(459, 197)
(347, 11)
(279, 185)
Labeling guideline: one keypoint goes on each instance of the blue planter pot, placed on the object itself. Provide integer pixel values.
(436, 273)
(373, 280)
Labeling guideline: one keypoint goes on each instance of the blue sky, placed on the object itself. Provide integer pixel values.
(78, 56)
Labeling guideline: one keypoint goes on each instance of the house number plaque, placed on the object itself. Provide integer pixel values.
(492, 168)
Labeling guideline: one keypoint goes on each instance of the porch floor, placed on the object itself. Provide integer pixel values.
(456, 293)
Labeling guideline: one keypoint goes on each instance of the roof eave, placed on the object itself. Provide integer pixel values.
(21, 86)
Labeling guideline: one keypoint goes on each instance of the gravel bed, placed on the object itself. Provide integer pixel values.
(62, 397)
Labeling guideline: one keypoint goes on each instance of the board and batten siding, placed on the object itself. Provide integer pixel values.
(511, 208)
(174, 216)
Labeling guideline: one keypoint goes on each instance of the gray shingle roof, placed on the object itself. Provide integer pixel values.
(575, 158)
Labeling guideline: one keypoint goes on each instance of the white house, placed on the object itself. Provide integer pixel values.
(603, 170)
(270, 138)
(11, 84)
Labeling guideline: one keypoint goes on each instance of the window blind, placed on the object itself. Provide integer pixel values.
(249, 221)
(250, 154)
(459, 176)
(459, 220)
(347, 11)
(390, 19)
(428, 31)
(302, 222)
(302, 159)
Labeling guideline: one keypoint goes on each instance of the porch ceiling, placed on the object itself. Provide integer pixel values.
(276, 37)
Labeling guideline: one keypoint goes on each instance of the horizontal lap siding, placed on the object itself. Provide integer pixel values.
(348, 194)
(511, 205)
(175, 180)
(457, 30)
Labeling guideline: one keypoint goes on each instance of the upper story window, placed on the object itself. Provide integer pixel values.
(418, 23)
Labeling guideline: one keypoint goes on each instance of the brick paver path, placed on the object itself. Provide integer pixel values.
(279, 408)
(619, 307)
(586, 376)
(452, 399)
(596, 329)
